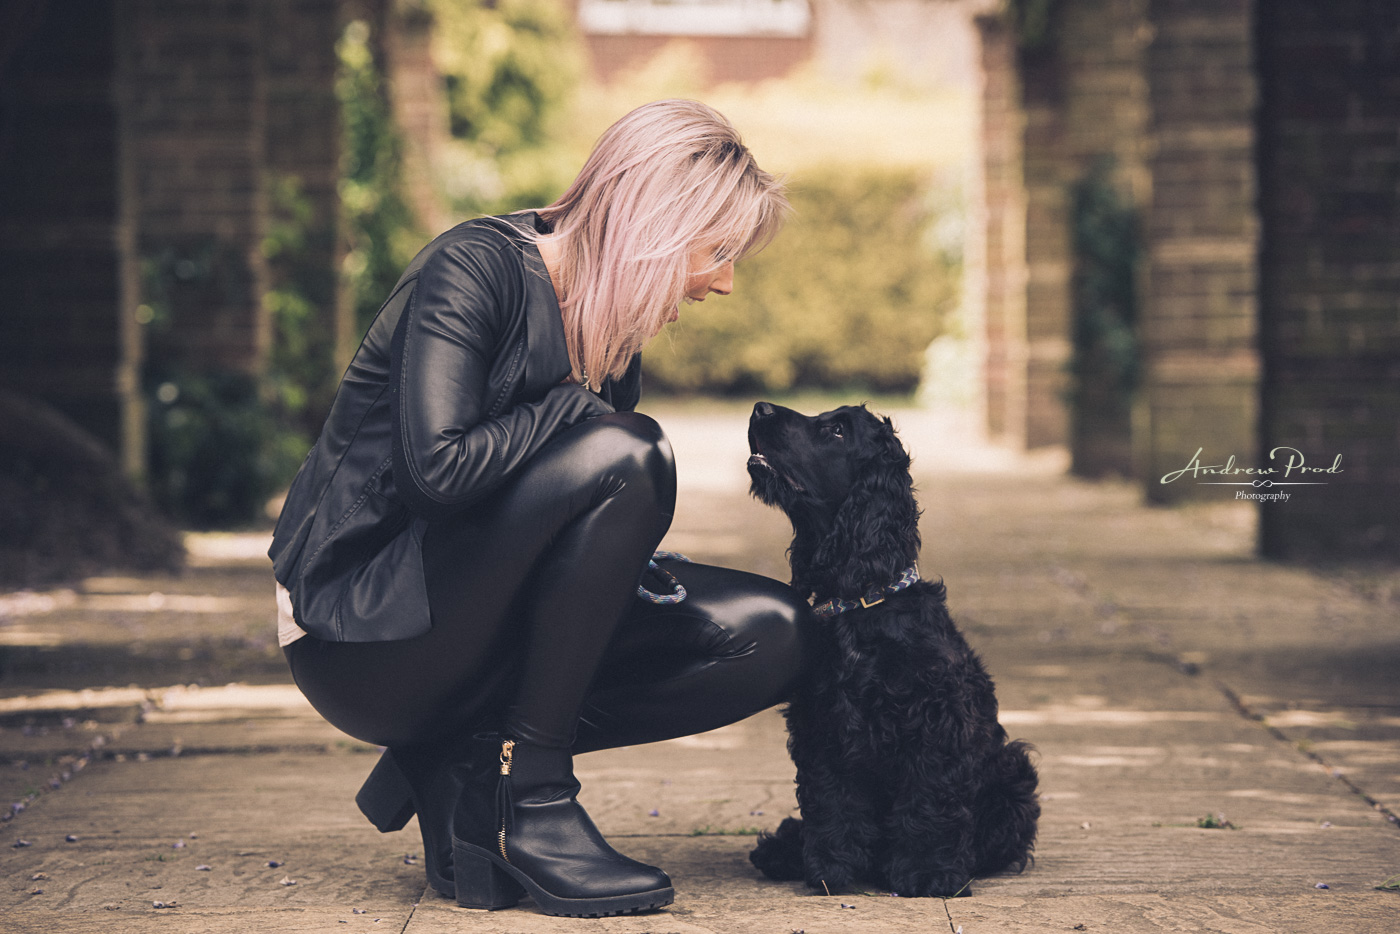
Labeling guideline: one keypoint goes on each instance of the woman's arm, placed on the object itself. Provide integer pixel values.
(448, 452)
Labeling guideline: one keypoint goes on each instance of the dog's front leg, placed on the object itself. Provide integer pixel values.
(931, 832)
(840, 829)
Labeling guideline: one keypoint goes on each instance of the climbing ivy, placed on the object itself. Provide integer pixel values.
(381, 232)
(1107, 247)
(218, 445)
(1033, 21)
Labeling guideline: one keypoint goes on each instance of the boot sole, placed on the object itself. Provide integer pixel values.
(484, 880)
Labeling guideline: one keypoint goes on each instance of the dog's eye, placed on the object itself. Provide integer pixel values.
(833, 430)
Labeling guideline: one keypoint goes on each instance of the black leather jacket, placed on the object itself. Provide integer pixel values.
(458, 382)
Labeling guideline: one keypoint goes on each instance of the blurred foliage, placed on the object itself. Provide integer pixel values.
(218, 445)
(807, 120)
(218, 450)
(509, 67)
(849, 295)
(1034, 21)
(222, 442)
(290, 309)
(1107, 247)
(301, 372)
(381, 232)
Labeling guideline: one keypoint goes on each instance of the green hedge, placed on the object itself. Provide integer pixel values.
(218, 450)
(849, 296)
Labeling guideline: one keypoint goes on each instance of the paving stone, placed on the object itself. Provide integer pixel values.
(1164, 675)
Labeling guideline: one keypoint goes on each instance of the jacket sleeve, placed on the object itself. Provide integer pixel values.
(449, 451)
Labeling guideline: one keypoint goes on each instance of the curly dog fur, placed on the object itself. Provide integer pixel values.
(904, 777)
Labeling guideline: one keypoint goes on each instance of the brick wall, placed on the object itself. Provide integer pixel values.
(63, 270)
(1003, 218)
(199, 133)
(302, 141)
(1047, 249)
(227, 97)
(1104, 114)
(1199, 331)
(420, 109)
(137, 144)
(1329, 169)
(1050, 112)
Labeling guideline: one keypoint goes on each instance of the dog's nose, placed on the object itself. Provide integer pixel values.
(762, 409)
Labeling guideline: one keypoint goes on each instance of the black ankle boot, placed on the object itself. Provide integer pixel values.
(386, 798)
(529, 834)
(426, 780)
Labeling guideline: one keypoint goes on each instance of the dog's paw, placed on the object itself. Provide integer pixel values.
(830, 878)
(778, 855)
(834, 882)
(930, 884)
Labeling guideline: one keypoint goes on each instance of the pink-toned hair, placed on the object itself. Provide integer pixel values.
(667, 179)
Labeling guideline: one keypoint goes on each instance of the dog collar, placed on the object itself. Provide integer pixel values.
(836, 606)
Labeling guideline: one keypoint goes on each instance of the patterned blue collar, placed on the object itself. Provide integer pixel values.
(836, 606)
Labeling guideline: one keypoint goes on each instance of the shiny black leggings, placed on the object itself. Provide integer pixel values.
(537, 629)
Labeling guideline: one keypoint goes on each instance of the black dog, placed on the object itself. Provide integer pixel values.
(904, 777)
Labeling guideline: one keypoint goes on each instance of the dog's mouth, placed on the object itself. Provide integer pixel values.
(757, 459)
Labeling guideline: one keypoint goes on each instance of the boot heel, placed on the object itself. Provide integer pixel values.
(480, 882)
(386, 796)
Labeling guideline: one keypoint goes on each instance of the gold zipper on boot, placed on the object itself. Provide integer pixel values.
(507, 747)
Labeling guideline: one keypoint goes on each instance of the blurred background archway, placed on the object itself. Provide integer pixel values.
(1123, 228)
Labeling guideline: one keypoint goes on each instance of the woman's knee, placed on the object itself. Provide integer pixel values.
(778, 621)
(759, 642)
(753, 617)
(631, 451)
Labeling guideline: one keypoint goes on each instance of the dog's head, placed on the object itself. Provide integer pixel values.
(842, 477)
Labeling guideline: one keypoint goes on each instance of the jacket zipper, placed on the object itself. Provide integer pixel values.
(507, 746)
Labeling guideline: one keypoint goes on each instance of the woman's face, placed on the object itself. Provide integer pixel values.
(703, 277)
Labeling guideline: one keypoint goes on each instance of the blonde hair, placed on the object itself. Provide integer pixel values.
(667, 179)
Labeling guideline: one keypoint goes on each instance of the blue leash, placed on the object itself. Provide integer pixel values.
(678, 593)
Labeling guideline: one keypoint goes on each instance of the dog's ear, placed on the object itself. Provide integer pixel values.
(875, 536)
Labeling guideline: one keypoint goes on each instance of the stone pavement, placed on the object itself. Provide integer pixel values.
(1168, 679)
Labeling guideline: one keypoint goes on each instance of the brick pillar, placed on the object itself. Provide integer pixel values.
(419, 106)
(1199, 329)
(1051, 112)
(198, 139)
(1048, 176)
(1104, 115)
(1329, 131)
(63, 227)
(1004, 225)
(303, 145)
